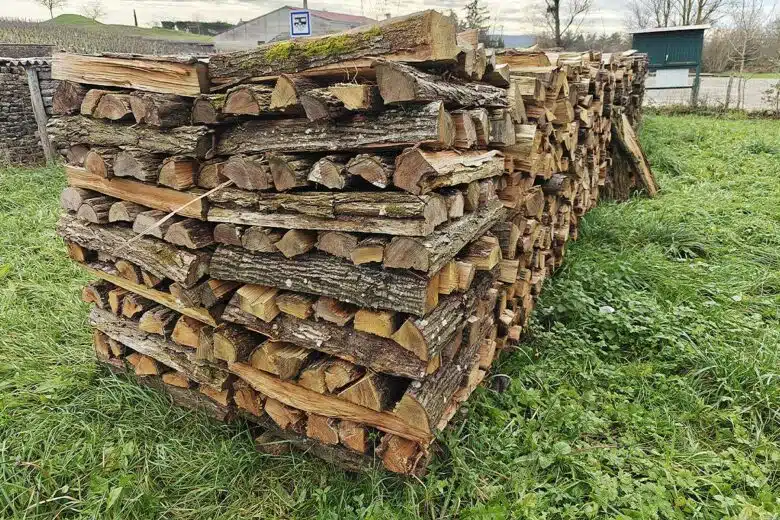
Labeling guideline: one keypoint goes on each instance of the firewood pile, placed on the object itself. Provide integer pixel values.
(332, 238)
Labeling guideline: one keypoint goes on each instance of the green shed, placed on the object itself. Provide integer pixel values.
(673, 52)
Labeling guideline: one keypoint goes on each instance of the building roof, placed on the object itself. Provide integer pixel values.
(24, 62)
(673, 29)
(325, 15)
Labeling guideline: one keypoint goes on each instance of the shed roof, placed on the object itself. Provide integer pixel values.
(325, 15)
(672, 29)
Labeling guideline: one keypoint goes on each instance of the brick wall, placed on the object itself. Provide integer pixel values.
(19, 142)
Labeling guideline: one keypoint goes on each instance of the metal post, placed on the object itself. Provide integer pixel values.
(696, 84)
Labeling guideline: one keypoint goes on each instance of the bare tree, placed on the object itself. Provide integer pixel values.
(564, 16)
(697, 12)
(51, 5)
(93, 10)
(668, 13)
(748, 20)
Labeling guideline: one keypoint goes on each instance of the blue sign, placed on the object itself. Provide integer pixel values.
(300, 23)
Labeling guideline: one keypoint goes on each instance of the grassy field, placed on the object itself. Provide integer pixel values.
(649, 388)
(128, 30)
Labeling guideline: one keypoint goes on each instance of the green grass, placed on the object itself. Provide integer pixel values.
(128, 30)
(753, 75)
(665, 408)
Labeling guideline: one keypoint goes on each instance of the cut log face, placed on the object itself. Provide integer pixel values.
(161, 110)
(261, 240)
(374, 169)
(233, 343)
(373, 391)
(258, 300)
(248, 100)
(334, 311)
(337, 243)
(207, 109)
(279, 358)
(418, 171)
(67, 98)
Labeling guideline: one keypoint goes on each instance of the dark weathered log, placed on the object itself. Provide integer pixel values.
(67, 98)
(168, 353)
(157, 257)
(196, 141)
(76, 154)
(431, 253)
(375, 169)
(380, 354)
(139, 164)
(316, 273)
(262, 240)
(290, 171)
(207, 109)
(228, 234)
(426, 124)
(337, 243)
(418, 171)
(399, 82)
(72, 198)
(162, 110)
(320, 104)
(420, 37)
(248, 100)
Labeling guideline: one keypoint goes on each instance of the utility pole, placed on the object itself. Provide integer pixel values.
(305, 4)
(135, 18)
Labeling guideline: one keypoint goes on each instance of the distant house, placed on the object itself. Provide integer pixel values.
(275, 26)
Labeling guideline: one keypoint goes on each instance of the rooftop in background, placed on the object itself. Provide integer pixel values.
(518, 41)
(672, 29)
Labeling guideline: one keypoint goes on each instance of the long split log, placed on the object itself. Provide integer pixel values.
(418, 171)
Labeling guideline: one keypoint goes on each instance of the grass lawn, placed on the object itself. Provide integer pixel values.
(667, 407)
(128, 30)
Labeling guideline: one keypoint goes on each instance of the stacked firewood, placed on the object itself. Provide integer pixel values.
(332, 238)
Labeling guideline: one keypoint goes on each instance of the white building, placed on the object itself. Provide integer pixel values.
(275, 26)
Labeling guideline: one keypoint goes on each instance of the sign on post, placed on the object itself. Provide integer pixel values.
(300, 23)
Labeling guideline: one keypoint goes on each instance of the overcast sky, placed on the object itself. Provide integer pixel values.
(515, 15)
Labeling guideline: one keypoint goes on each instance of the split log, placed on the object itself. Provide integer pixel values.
(72, 198)
(322, 105)
(296, 242)
(128, 271)
(157, 257)
(248, 100)
(215, 292)
(163, 298)
(279, 358)
(337, 243)
(369, 250)
(425, 124)
(379, 323)
(419, 171)
(448, 278)
(399, 82)
(114, 106)
(259, 301)
(178, 172)
(183, 203)
(187, 332)
(380, 354)
(323, 429)
(161, 110)
(481, 121)
(431, 253)
(374, 169)
(502, 128)
(420, 37)
(313, 376)
(76, 154)
(134, 305)
(261, 240)
(249, 172)
(167, 75)
(334, 311)
(456, 204)
(298, 305)
(139, 164)
(353, 435)
(100, 161)
(340, 373)
(67, 98)
(123, 211)
(315, 273)
(303, 399)
(286, 417)
(96, 209)
(374, 391)
(356, 97)
(158, 320)
(233, 343)
(246, 398)
(330, 171)
(465, 130)
(483, 253)
(190, 233)
(115, 297)
(207, 109)
(286, 96)
(196, 141)
(289, 171)
(150, 223)
(97, 293)
(228, 234)
(176, 379)
(167, 353)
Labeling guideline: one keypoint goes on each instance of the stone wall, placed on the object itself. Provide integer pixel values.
(19, 142)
